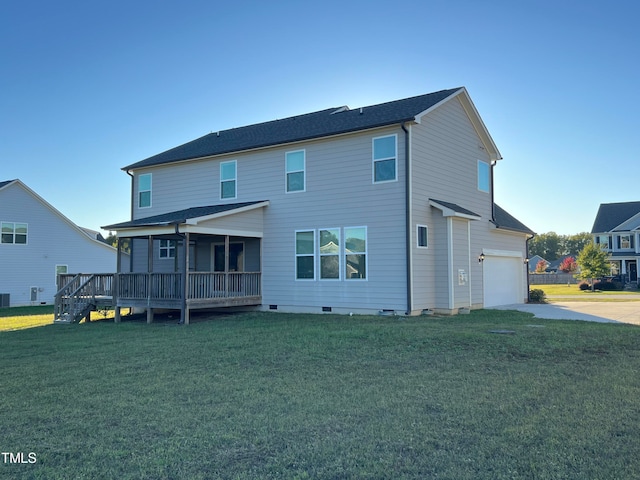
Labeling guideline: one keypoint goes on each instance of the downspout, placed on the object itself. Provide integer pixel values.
(409, 243)
(185, 286)
(493, 216)
(526, 251)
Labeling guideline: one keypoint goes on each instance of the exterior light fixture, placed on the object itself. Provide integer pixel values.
(481, 258)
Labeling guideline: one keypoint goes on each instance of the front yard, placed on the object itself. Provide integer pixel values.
(295, 396)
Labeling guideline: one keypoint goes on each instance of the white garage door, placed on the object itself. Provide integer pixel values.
(503, 284)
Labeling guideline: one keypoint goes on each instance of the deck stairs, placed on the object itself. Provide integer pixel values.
(82, 295)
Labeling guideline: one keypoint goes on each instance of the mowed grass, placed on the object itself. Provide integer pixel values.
(17, 318)
(332, 397)
(564, 289)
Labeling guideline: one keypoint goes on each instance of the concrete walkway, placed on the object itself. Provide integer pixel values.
(622, 312)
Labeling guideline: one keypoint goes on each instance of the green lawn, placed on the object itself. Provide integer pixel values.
(293, 396)
(17, 318)
(564, 289)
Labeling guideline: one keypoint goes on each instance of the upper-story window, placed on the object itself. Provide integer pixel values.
(625, 242)
(15, 233)
(385, 167)
(604, 241)
(295, 171)
(228, 179)
(484, 176)
(144, 190)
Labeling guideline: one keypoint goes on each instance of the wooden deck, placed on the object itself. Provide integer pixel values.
(157, 291)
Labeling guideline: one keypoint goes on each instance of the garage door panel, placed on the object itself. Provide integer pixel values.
(502, 278)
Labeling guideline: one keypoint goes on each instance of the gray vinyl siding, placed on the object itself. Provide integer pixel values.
(445, 150)
(52, 240)
(339, 193)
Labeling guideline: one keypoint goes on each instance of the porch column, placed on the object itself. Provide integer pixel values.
(115, 285)
(185, 291)
(226, 265)
(149, 278)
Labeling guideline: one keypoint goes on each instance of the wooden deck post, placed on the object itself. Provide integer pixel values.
(149, 315)
(115, 286)
(226, 265)
(118, 317)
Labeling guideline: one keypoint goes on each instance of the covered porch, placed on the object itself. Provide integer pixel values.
(198, 258)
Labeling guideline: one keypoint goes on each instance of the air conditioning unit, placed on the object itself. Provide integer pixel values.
(4, 300)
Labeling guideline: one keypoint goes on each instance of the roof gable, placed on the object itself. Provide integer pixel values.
(611, 216)
(4, 184)
(324, 123)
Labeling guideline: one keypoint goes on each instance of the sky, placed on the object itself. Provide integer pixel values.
(88, 87)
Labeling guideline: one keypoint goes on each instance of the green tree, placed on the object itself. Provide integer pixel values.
(593, 263)
(573, 244)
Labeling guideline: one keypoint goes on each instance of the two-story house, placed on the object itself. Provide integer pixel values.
(386, 209)
(37, 243)
(617, 229)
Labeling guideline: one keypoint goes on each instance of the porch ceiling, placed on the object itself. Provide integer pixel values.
(207, 219)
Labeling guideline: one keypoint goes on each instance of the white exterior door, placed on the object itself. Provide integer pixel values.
(503, 279)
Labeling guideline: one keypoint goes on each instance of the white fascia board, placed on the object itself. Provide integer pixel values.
(502, 253)
(197, 220)
(626, 225)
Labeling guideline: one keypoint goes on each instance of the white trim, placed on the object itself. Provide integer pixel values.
(55, 269)
(234, 180)
(374, 160)
(502, 253)
(304, 171)
(14, 232)
(171, 246)
(205, 218)
(450, 262)
(339, 255)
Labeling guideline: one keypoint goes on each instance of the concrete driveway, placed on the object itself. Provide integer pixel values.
(622, 312)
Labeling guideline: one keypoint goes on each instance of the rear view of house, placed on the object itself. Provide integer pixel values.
(37, 243)
(385, 208)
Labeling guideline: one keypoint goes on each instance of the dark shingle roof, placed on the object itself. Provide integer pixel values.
(4, 184)
(179, 216)
(503, 219)
(456, 208)
(332, 121)
(610, 215)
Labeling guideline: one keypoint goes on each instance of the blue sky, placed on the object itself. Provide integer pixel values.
(87, 87)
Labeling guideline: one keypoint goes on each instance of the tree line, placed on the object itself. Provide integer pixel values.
(552, 246)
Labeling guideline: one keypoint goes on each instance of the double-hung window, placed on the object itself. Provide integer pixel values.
(295, 171)
(385, 167)
(329, 254)
(15, 233)
(484, 176)
(305, 255)
(355, 249)
(167, 249)
(144, 190)
(228, 177)
(625, 242)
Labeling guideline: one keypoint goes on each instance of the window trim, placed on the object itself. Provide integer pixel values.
(14, 234)
(365, 253)
(629, 241)
(170, 247)
(287, 172)
(374, 160)
(55, 269)
(313, 255)
(140, 192)
(339, 255)
(426, 228)
(234, 180)
(488, 174)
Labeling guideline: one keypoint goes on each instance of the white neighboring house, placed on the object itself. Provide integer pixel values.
(37, 242)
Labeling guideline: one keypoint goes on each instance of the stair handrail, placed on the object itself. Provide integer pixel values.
(72, 299)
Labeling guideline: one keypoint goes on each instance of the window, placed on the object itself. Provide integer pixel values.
(305, 255)
(61, 270)
(484, 181)
(329, 254)
(167, 249)
(15, 233)
(423, 240)
(295, 168)
(384, 159)
(144, 191)
(625, 241)
(604, 240)
(355, 249)
(228, 179)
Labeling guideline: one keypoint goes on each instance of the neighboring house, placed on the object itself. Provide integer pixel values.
(38, 242)
(533, 263)
(387, 208)
(617, 229)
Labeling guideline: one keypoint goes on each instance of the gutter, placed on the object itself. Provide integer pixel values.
(409, 243)
(526, 252)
